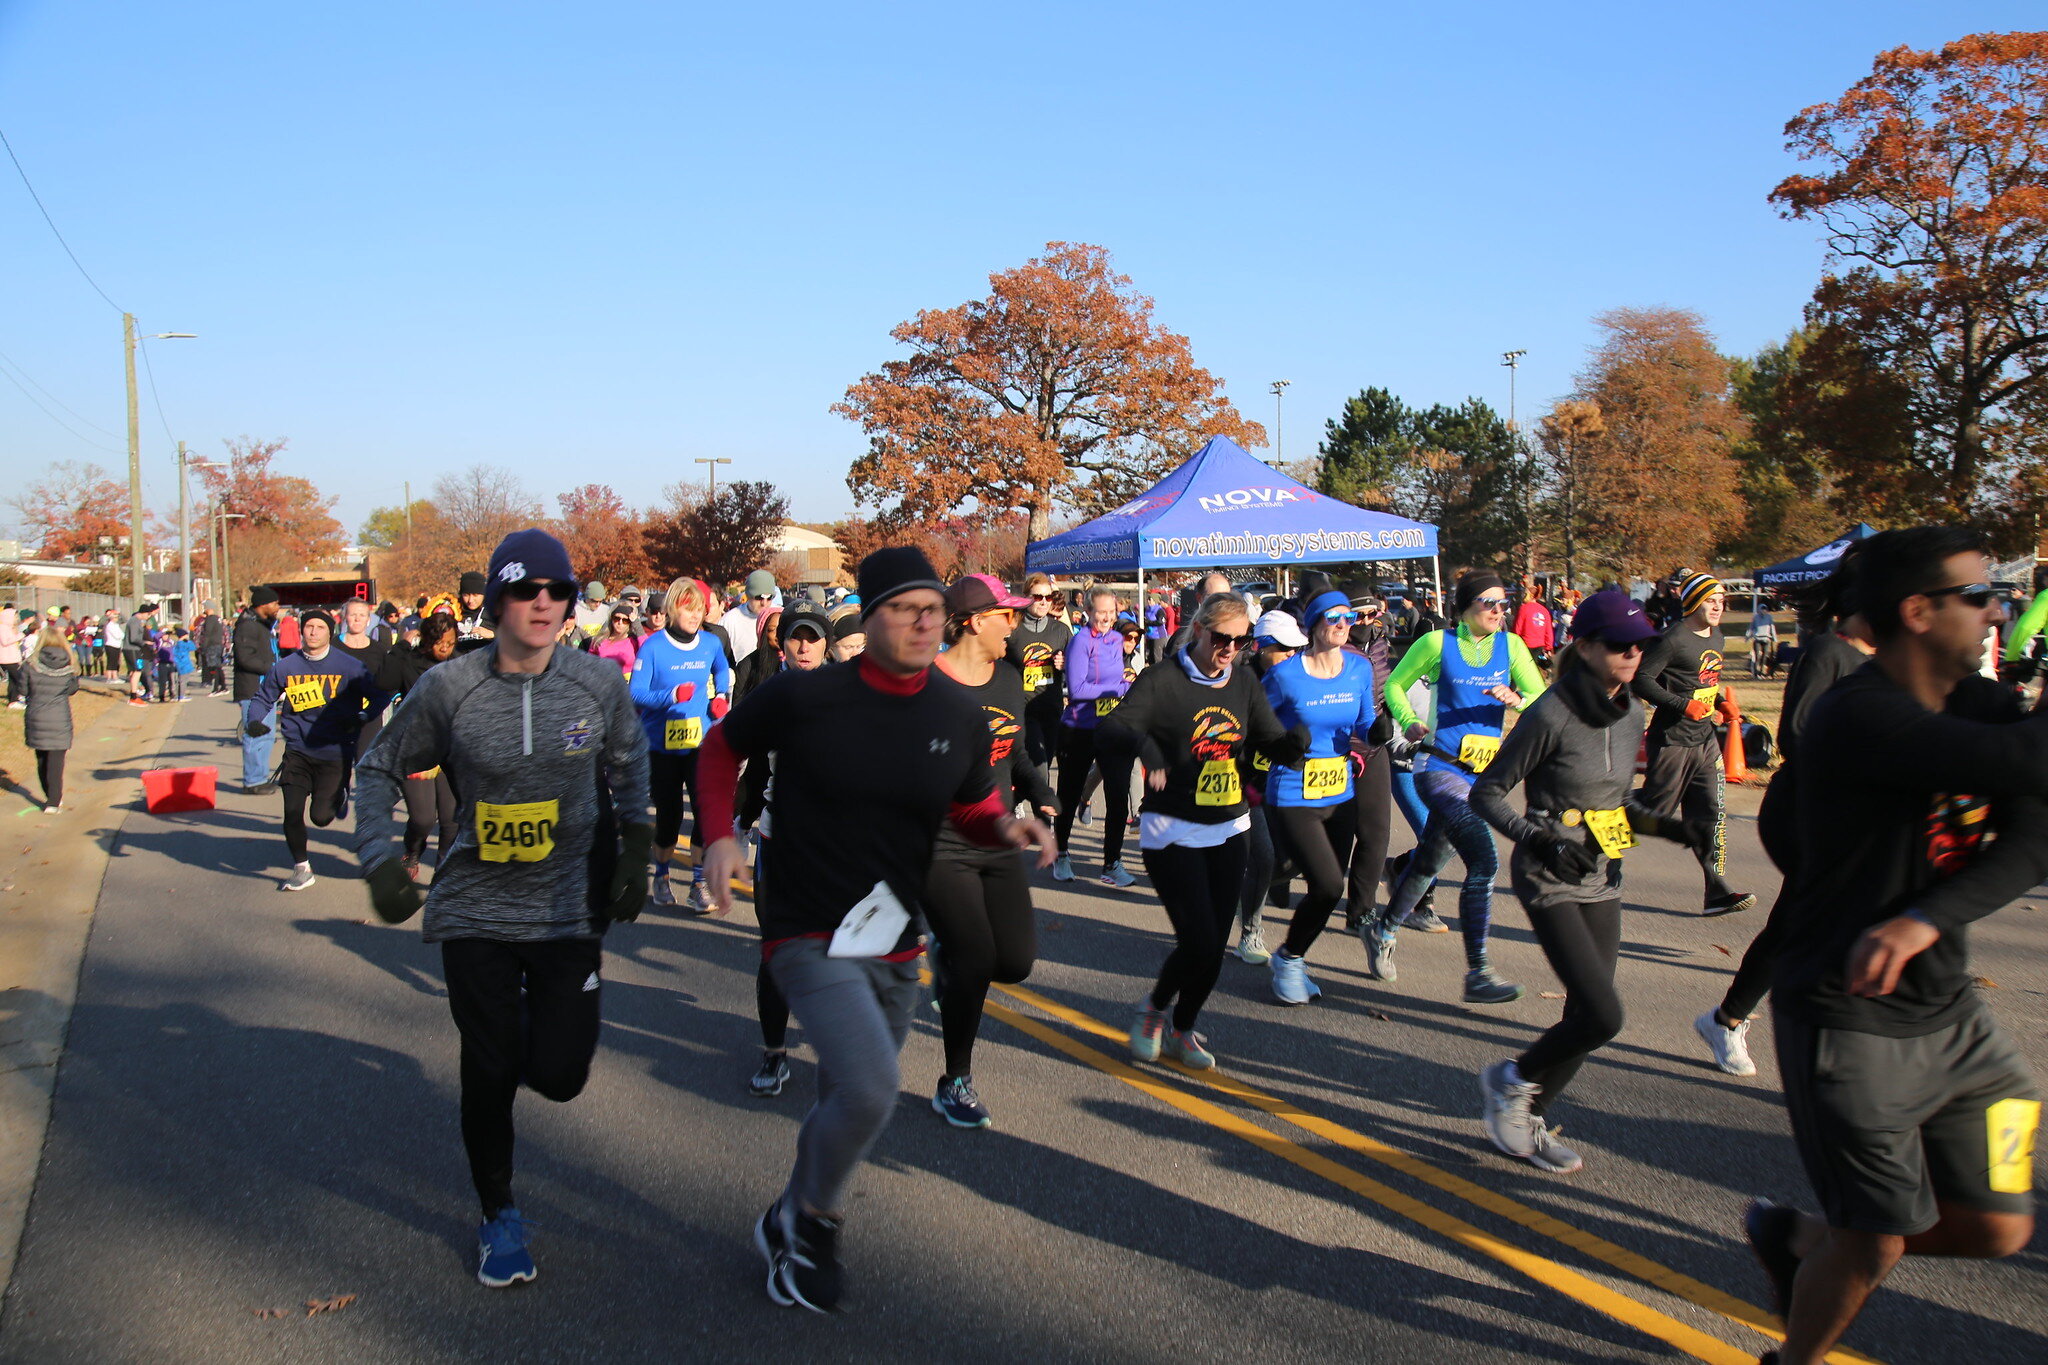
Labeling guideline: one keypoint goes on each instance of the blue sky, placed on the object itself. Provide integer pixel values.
(594, 243)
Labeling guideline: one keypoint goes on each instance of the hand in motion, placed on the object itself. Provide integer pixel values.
(1568, 860)
(1155, 778)
(255, 729)
(685, 691)
(392, 894)
(1030, 833)
(1506, 696)
(722, 862)
(1879, 957)
(1416, 732)
(628, 891)
(1697, 709)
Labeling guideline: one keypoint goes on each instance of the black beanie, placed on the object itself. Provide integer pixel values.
(891, 570)
(471, 582)
(1471, 585)
(531, 553)
(317, 614)
(260, 595)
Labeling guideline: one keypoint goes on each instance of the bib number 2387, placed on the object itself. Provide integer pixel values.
(522, 832)
(686, 733)
(1217, 784)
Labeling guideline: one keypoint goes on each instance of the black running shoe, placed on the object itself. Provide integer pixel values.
(1769, 1228)
(808, 1270)
(1729, 904)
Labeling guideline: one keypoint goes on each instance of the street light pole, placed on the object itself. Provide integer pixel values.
(712, 469)
(1279, 431)
(1513, 360)
(135, 457)
(184, 541)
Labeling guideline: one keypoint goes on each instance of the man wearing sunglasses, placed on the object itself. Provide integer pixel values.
(1922, 806)
(1681, 677)
(1038, 650)
(541, 745)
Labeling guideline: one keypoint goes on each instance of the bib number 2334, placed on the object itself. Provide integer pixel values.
(523, 832)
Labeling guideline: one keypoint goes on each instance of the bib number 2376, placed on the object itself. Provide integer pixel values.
(1217, 784)
(523, 832)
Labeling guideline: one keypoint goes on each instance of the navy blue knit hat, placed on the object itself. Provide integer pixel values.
(891, 570)
(531, 553)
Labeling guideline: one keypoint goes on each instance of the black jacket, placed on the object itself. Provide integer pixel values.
(255, 652)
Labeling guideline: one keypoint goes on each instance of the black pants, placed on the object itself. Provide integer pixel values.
(303, 778)
(1375, 828)
(50, 772)
(978, 905)
(1774, 829)
(1686, 780)
(1077, 756)
(1581, 943)
(214, 676)
(1258, 870)
(15, 691)
(429, 808)
(544, 1035)
(1321, 838)
(669, 777)
(772, 1009)
(1199, 888)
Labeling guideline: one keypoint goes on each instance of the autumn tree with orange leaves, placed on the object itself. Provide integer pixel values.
(1057, 387)
(1934, 196)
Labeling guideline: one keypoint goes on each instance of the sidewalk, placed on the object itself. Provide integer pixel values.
(54, 868)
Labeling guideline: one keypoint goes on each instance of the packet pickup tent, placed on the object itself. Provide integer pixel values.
(1225, 507)
(1814, 565)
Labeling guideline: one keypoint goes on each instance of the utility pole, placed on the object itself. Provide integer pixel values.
(1524, 479)
(135, 457)
(1279, 391)
(712, 469)
(184, 542)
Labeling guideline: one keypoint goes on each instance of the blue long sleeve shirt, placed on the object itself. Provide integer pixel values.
(320, 702)
(1335, 710)
(675, 727)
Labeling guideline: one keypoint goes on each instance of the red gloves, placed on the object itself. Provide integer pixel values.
(719, 706)
(685, 691)
(1697, 710)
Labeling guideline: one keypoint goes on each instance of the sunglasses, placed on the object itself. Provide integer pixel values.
(1218, 640)
(527, 589)
(1340, 615)
(1043, 597)
(1491, 603)
(1632, 647)
(1977, 595)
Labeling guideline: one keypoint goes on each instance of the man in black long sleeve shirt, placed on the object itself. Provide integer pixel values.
(1681, 678)
(1922, 805)
(254, 653)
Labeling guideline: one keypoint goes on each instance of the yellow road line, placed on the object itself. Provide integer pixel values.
(1598, 1297)
(1620, 1258)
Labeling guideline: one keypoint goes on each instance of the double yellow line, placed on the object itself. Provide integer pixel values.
(1622, 1308)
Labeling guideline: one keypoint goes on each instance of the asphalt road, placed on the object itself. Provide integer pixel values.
(256, 1110)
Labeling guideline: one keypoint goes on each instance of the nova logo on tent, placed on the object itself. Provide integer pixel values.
(1143, 503)
(1252, 497)
(1830, 552)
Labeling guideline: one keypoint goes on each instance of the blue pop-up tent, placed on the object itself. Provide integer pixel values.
(1225, 507)
(1814, 565)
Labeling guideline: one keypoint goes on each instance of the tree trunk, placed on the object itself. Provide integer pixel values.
(1041, 521)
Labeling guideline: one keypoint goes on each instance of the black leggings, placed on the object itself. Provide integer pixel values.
(429, 807)
(1077, 755)
(544, 1035)
(1320, 838)
(978, 905)
(669, 776)
(1582, 943)
(316, 779)
(50, 772)
(1375, 827)
(1199, 888)
(772, 1009)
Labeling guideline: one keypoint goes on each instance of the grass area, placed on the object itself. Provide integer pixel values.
(18, 761)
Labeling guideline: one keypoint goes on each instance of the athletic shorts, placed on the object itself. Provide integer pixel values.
(1887, 1126)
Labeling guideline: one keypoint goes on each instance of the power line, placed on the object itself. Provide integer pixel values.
(150, 370)
(53, 225)
(87, 421)
(55, 418)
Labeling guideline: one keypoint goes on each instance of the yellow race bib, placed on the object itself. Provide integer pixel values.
(686, 733)
(1321, 777)
(1037, 677)
(1611, 831)
(1476, 751)
(1218, 785)
(523, 832)
(305, 694)
(1710, 695)
(1105, 705)
(2009, 1129)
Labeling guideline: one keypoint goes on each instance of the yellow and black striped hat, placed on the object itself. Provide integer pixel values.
(1696, 590)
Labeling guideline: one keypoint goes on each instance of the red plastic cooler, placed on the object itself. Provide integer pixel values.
(168, 790)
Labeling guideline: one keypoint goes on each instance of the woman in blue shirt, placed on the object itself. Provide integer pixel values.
(1315, 809)
(682, 683)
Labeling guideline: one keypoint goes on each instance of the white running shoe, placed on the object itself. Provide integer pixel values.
(1506, 1114)
(1550, 1154)
(301, 878)
(1114, 875)
(1251, 947)
(664, 894)
(1730, 1046)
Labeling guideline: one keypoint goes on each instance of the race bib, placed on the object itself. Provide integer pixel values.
(1476, 751)
(305, 694)
(1105, 705)
(1710, 695)
(1037, 678)
(873, 927)
(523, 832)
(2009, 1129)
(1218, 785)
(1321, 777)
(1611, 831)
(686, 733)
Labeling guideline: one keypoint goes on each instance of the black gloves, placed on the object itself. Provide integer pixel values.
(392, 893)
(255, 729)
(1289, 750)
(1697, 835)
(1567, 859)
(628, 892)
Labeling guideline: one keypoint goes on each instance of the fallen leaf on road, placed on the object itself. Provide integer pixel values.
(1987, 983)
(333, 1305)
(1722, 951)
(1551, 995)
(1376, 1014)
(271, 1312)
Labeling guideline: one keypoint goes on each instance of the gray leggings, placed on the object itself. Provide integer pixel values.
(855, 1014)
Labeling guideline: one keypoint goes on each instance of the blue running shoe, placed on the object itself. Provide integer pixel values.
(956, 1103)
(501, 1249)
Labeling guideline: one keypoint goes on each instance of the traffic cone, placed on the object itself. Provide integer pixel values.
(1733, 758)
